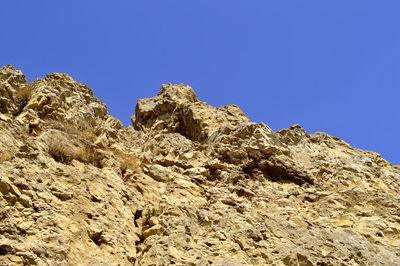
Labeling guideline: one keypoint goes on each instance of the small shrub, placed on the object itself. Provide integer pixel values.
(59, 152)
(150, 213)
(127, 161)
(85, 132)
(85, 153)
(90, 155)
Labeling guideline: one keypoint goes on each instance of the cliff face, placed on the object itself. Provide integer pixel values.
(188, 184)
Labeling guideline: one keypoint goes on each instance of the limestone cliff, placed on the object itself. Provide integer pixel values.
(187, 184)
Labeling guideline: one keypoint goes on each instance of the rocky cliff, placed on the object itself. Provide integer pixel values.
(187, 184)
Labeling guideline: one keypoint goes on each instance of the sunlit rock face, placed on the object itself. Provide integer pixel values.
(187, 184)
(176, 108)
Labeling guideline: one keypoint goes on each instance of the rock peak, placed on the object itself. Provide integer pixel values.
(8, 67)
(178, 93)
(10, 73)
(58, 76)
(176, 108)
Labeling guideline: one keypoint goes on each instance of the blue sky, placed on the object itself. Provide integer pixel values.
(331, 66)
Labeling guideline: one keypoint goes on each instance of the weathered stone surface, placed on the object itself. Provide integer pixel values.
(14, 90)
(189, 184)
(176, 108)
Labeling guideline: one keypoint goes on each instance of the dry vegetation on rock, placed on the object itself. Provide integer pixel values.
(187, 184)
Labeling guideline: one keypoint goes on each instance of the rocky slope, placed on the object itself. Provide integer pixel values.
(187, 184)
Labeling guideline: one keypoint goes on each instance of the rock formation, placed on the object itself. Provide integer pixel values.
(187, 184)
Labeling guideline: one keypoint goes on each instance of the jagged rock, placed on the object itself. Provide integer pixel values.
(176, 108)
(292, 135)
(190, 184)
(14, 90)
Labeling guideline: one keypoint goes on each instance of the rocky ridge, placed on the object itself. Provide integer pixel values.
(187, 184)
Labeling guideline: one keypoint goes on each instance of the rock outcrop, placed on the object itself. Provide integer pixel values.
(187, 184)
(177, 109)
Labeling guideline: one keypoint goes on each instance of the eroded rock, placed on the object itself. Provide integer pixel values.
(176, 108)
(190, 184)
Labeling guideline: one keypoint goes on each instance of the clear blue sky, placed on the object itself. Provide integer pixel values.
(331, 66)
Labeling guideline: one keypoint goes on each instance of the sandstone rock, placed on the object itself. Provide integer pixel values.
(159, 173)
(102, 141)
(176, 108)
(14, 90)
(76, 187)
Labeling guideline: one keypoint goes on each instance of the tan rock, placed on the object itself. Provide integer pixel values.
(76, 187)
(176, 108)
(159, 173)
